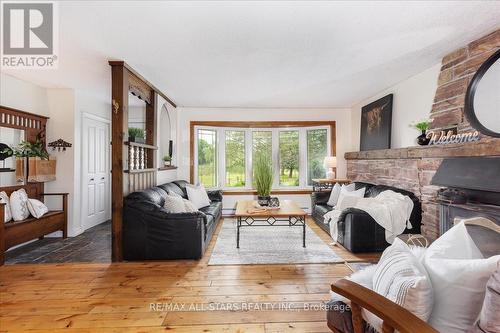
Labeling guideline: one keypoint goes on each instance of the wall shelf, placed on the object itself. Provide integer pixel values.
(163, 168)
(142, 145)
(140, 170)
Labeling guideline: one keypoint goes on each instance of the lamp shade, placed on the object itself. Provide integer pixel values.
(330, 162)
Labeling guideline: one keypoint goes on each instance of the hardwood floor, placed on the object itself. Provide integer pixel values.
(178, 296)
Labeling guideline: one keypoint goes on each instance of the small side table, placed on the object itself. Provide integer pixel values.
(321, 184)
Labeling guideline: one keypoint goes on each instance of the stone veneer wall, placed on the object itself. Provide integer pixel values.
(413, 168)
(457, 70)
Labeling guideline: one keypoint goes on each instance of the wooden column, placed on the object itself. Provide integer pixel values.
(119, 126)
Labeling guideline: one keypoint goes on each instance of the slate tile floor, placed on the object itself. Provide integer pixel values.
(94, 245)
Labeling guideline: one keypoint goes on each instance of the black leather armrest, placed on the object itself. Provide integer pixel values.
(320, 197)
(356, 214)
(359, 232)
(215, 195)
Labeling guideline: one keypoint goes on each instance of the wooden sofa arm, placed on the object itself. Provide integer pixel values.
(392, 315)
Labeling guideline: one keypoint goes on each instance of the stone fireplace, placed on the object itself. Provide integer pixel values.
(413, 168)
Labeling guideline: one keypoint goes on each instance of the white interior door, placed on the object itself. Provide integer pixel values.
(96, 196)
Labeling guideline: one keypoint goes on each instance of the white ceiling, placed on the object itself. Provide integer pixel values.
(261, 54)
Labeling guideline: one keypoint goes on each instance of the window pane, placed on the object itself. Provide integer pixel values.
(317, 150)
(207, 157)
(235, 158)
(262, 143)
(289, 158)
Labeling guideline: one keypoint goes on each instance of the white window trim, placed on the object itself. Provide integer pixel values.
(221, 154)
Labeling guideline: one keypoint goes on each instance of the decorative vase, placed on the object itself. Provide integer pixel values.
(263, 200)
(422, 139)
(274, 202)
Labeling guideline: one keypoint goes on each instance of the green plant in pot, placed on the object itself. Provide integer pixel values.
(136, 135)
(422, 126)
(167, 160)
(263, 175)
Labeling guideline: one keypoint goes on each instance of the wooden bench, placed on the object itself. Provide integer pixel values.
(13, 233)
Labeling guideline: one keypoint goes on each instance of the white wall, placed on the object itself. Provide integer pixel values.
(22, 95)
(413, 100)
(185, 115)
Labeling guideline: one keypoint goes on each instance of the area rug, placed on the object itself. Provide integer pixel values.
(269, 245)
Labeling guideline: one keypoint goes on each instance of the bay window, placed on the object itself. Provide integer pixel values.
(224, 156)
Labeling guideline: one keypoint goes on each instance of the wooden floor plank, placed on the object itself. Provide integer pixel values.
(149, 296)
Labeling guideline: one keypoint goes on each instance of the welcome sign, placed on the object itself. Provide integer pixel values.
(449, 137)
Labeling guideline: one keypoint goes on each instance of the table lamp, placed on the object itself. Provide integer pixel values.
(330, 163)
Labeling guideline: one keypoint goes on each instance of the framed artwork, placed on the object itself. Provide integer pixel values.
(376, 121)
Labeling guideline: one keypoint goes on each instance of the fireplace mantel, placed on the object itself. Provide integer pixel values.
(484, 147)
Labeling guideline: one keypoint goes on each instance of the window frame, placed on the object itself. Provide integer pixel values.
(249, 127)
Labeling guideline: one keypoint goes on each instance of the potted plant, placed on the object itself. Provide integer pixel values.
(423, 125)
(263, 179)
(136, 135)
(167, 160)
(41, 167)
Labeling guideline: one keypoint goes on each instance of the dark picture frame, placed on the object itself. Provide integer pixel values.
(376, 123)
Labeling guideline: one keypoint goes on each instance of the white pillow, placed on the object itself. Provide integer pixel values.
(37, 208)
(334, 195)
(174, 204)
(344, 193)
(4, 198)
(459, 283)
(363, 277)
(401, 278)
(198, 196)
(189, 207)
(19, 205)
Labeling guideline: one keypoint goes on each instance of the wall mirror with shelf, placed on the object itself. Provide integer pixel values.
(10, 138)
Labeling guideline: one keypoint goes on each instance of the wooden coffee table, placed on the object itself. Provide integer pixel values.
(288, 212)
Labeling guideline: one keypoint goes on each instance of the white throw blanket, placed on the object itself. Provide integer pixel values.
(389, 209)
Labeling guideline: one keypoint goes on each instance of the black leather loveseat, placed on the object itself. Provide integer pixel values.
(357, 231)
(150, 232)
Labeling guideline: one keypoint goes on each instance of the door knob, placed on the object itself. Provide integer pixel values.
(91, 179)
(102, 178)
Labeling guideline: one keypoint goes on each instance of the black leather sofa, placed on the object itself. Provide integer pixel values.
(357, 231)
(150, 232)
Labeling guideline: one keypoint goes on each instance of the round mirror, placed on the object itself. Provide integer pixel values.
(482, 102)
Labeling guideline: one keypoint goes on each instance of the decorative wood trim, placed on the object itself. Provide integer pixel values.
(257, 124)
(131, 70)
(119, 117)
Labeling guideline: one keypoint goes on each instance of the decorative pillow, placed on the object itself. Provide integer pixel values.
(489, 318)
(19, 205)
(334, 195)
(4, 198)
(344, 193)
(37, 208)
(459, 283)
(189, 207)
(363, 277)
(401, 278)
(198, 196)
(174, 204)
